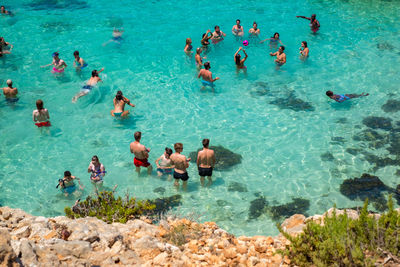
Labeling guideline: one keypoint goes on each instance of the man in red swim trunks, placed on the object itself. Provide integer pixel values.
(141, 154)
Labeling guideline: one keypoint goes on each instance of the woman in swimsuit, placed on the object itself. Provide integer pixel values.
(188, 47)
(273, 41)
(198, 58)
(237, 29)
(341, 98)
(205, 40)
(59, 64)
(41, 115)
(67, 183)
(119, 105)
(240, 62)
(4, 44)
(96, 170)
(254, 31)
(314, 23)
(79, 63)
(304, 50)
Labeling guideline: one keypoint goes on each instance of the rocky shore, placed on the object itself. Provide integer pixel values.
(60, 241)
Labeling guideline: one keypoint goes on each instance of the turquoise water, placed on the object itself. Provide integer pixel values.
(356, 50)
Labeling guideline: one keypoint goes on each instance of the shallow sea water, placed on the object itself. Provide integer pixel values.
(356, 50)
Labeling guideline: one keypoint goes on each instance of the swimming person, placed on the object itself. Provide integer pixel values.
(180, 165)
(273, 41)
(198, 58)
(10, 92)
(205, 41)
(280, 56)
(254, 31)
(4, 11)
(3, 52)
(41, 115)
(4, 45)
(119, 105)
(79, 63)
(97, 171)
(217, 35)
(205, 162)
(163, 163)
(141, 154)
(59, 64)
(341, 98)
(314, 23)
(240, 62)
(206, 75)
(188, 47)
(117, 37)
(67, 184)
(89, 85)
(304, 51)
(237, 29)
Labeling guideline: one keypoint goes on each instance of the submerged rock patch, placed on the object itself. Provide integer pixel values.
(327, 157)
(257, 207)
(391, 106)
(293, 103)
(237, 187)
(378, 123)
(297, 206)
(224, 158)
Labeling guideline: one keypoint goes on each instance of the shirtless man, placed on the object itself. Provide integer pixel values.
(217, 35)
(254, 31)
(206, 75)
(59, 64)
(181, 164)
(79, 63)
(206, 162)
(280, 56)
(89, 85)
(41, 115)
(141, 154)
(119, 105)
(341, 98)
(10, 92)
(237, 29)
(314, 23)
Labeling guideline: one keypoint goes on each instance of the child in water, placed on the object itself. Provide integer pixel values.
(67, 184)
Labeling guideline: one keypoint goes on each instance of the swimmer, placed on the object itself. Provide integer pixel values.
(205, 162)
(314, 23)
(67, 184)
(141, 154)
(180, 165)
(273, 41)
(198, 58)
(254, 31)
(96, 170)
(89, 85)
(117, 37)
(341, 98)
(4, 44)
(79, 63)
(4, 11)
(165, 166)
(280, 56)
(217, 35)
(3, 52)
(119, 105)
(240, 62)
(188, 47)
(10, 92)
(205, 39)
(237, 29)
(41, 115)
(206, 75)
(304, 51)
(59, 64)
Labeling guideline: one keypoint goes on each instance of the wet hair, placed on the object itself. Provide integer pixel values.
(206, 142)
(255, 23)
(305, 43)
(215, 27)
(168, 151)
(56, 54)
(39, 104)
(94, 73)
(2, 7)
(283, 48)
(178, 146)
(95, 158)
(277, 33)
(67, 173)
(313, 17)
(119, 95)
(207, 65)
(238, 20)
(198, 50)
(237, 59)
(76, 53)
(9, 82)
(188, 40)
(329, 93)
(137, 135)
(204, 34)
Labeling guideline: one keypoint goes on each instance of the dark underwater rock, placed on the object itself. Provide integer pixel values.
(380, 162)
(56, 26)
(224, 158)
(237, 187)
(378, 123)
(57, 4)
(397, 173)
(293, 103)
(385, 46)
(341, 120)
(257, 207)
(159, 190)
(327, 157)
(166, 203)
(369, 135)
(222, 203)
(353, 151)
(391, 106)
(338, 139)
(297, 206)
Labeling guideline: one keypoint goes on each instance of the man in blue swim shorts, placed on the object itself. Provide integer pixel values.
(181, 164)
(206, 75)
(10, 92)
(341, 98)
(89, 85)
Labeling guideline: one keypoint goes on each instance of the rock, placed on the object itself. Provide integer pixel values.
(293, 103)
(224, 158)
(257, 207)
(229, 253)
(159, 190)
(391, 106)
(22, 232)
(327, 157)
(6, 215)
(294, 225)
(259, 89)
(280, 212)
(378, 123)
(28, 253)
(161, 259)
(385, 46)
(166, 203)
(237, 187)
(7, 254)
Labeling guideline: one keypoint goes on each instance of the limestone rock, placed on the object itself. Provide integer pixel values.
(7, 254)
(294, 225)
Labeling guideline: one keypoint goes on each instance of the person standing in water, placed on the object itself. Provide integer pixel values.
(205, 162)
(188, 47)
(273, 41)
(59, 64)
(97, 171)
(217, 35)
(141, 154)
(119, 105)
(341, 98)
(240, 62)
(89, 85)
(163, 163)
(280, 56)
(304, 51)
(254, 31)
(205, 41)
(181, 164)
(198, 58)
(117, 37)
(41, 115)
(206, 75)
(237, 29)
(4, 44)
(79, 63)
(10, 92)
(314, 23)
(67, 184)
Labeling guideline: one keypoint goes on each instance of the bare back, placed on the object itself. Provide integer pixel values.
(119, 105)
(206, 75)
(206, 158)
(41, 116)
(10, 92)
(139, 150)
(180, 162)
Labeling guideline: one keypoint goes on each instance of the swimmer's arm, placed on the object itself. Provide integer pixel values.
(187, 162)
(198, 159)
(214, 79)
(233, 29)
(245, 54)
(273, 54)
(284, 59)
(90, 169)
(157, 160)
(198, 76)
(11, 46)
(102, 69)
(234, 57)
(213, 160)
(47, 114)
(223, 34)
(33, 116)
(303, 17)
(46, 65)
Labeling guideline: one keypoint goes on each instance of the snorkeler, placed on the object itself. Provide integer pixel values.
(188, 47)
(205, 162)
(141, 154)
(205, 39)
(41, 115)
(314, 23)
(4, 44)
(237, 29)
(89, 85)
(240, 62)
(165, 166)
(180, 165)
(117, 37)
(59, 64)
(119, 105)
(304, 51)
(341, 98)
(206, 75)
(96, 170)
(254, 31)
(280, 56)
(67, 184)
(217, 35)
(79, 63)
(273, 41)
(10, 92)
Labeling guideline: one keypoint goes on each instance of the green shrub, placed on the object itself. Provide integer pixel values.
(342, 241)
(182, 233)
(110, 209)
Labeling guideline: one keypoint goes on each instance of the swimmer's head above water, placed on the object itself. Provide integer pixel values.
(281, 48)
(95, 73)
(304, 44)
(9, 82)
(329, 93)
(199, 50)
(276, 35)
(119, 95)
(137, 136)
(168, 151)
(255, 25)
(67, 174)
(76, 54)
(188, 41)
(207, 65)
(237, 59)
(313, 17)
